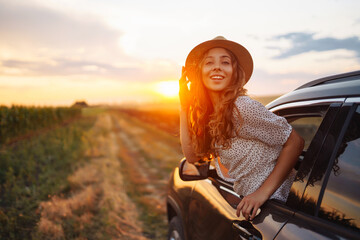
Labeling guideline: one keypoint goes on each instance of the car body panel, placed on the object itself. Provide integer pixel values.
(178, 197)
(348, 89)
(208, 207)
(303, 226)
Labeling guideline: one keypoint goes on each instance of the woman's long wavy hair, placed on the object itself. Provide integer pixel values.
(212, 127)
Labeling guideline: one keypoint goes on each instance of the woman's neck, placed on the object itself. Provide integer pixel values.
(214, 97)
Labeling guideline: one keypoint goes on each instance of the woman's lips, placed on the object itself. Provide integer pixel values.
(217, 77)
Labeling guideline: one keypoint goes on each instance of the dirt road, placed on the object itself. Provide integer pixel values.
(120, 192)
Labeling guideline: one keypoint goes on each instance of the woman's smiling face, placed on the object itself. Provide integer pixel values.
(217, 69)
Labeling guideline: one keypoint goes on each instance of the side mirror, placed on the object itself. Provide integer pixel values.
(191, 172)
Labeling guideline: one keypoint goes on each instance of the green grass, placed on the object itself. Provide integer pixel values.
(17, 122)
(34, 169)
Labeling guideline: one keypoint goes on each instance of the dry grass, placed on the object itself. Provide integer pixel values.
(97, 206)
(120, 192)
(148, 155)
(79, 207)
(264, 99)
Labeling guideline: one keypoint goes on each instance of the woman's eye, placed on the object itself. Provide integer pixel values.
(208, 63)
(226, 62)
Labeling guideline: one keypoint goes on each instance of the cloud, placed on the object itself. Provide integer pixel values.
(63, 67)
(40, 26)
(39, 41)
(305, 42)
(154, 70)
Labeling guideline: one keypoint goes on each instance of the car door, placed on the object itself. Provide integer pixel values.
(212, 214)
(330, 203)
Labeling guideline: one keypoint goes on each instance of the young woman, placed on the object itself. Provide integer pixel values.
(252, 147)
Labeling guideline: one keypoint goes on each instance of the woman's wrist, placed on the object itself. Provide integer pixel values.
(266, 192)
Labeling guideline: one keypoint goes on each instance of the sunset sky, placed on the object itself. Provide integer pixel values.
(54, 52)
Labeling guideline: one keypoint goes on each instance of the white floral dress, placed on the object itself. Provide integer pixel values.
(253, 154)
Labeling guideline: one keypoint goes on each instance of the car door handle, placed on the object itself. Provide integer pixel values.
(244, 232)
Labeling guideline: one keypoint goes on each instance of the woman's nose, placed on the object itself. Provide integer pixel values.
(216, 66)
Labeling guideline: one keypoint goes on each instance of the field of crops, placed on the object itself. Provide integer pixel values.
(17, 121)
(39, 147)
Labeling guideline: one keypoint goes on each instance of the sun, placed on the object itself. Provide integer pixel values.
(169, 89)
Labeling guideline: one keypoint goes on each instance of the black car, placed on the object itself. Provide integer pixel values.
(324, 202)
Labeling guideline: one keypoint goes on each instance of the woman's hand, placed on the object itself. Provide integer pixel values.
(184, 93)
(250, 204)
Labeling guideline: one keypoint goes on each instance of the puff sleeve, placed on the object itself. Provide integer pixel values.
(261, 124)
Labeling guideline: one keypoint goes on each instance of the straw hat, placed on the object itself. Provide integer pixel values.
(243, 56)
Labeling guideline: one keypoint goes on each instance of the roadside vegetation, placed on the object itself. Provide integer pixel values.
(33, 167)
(19, 122)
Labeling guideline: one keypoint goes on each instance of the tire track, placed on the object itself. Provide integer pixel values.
(97, 206)
(148, 155)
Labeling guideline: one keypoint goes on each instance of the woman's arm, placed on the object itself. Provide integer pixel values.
(285, 163)
(185, 139)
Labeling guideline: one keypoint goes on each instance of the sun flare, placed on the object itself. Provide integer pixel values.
(169, 89)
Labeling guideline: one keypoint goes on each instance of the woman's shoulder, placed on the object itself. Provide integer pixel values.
(249, 108)
(244, 101)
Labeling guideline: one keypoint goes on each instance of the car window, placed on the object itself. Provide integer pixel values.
(306, 127)
(341, 200)
(313, 128)
(314, 176)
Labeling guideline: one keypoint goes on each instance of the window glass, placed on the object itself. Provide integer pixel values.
(306, 127)
(341, 201)
(323, 155)
(314, 135)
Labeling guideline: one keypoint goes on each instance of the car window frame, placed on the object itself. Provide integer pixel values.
(328, 148)
(326, 109)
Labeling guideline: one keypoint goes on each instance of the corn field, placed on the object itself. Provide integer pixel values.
(18, 121)
(35, 168)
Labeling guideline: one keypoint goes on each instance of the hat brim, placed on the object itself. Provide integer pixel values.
(241, 53)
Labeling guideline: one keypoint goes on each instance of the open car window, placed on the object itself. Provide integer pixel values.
(312, 124)
(306, 127)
